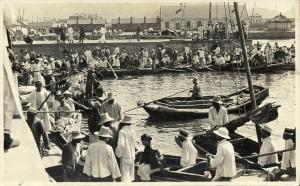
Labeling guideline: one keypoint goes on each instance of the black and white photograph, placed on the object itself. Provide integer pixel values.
(150, 91)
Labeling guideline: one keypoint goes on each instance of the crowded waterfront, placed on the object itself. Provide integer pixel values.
(210, 113)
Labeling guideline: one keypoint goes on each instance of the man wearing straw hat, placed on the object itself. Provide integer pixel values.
(71, 154)
(189, 152)
(126, 149)
(68, 98)
(217, 114)
(113, 108)
(224, 160)
(267, 146)
(107, 121)
(100, 163)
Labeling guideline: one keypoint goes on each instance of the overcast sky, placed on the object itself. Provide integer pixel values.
(62, 9)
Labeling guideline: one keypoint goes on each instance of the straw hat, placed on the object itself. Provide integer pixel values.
(222, 132)
(76, 134)
(105, 118)
(183, 133)
(267, 129)
(104, 132)
(127, 120)
(110, 96)
(217, 99)
(67, 93)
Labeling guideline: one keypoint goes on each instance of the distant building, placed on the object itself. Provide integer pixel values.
(256, 19)
(131, 24)
(89, 24)
(280, 23)
(190, 17)
(40, 25)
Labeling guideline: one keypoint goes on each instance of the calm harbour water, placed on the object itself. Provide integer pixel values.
(130, 90)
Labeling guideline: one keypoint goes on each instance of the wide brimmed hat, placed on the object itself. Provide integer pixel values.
(104, 132)
(110, 96)
(67, 93)
(76, 134)
(222, 132)
(127, 120)
(267, 129)
(217, 99)
(105, 118)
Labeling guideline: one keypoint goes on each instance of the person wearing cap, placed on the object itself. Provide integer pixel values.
(217, 114)
(126, 149)
(267, 146)
(38, 129)
(196, 92)
(149, 160)
(189, 152)
(36, 99)
(288, 162)
(71, 153)
(224, 160)
(68, 99)
(100, 162)
(113, 108)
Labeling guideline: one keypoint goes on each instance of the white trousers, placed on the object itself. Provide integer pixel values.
(127, 171)
(144, 171)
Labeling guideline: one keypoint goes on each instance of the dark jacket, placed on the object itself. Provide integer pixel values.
(152, 157)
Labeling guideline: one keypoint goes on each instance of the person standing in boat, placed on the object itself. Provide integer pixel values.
(189, 152)
(71, 153)
(107, 121)
(100, 162)
(267, 146)
(68, 98)
(196, 92)
(149, 160)
(113, 108)
(288, 163)
(217, 114)
(224, 160)
(126, 149)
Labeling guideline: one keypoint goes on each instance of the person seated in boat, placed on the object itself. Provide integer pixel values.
(149, 160)
(268, 146)
(196, 92)
(38, 129)
(68, 99)
(189, 152)
(217, 114)
(112, 107)
(64, 109)
(288, 163)
(224, 160)
(71, 153)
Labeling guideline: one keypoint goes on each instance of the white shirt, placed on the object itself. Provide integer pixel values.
(70, 102)
(217, 50)
(217, 118)
(267, 147)
(288, 158)
(100, 161)
(189, 154)
(224, 160)
(126, 145)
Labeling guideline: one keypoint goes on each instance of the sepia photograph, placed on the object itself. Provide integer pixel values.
(150, 91)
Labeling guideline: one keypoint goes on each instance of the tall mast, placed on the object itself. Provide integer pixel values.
(182, 16)
(244, 51)
(209, 15)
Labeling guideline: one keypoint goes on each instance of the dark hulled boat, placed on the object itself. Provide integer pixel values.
(183, 108)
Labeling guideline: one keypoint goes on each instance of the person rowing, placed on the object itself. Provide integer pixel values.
(217, 114)
(196, 91)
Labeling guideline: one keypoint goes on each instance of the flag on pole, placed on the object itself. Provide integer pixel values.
(179, 10)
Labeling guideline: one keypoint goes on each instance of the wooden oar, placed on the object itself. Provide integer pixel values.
(112, 70)
(191, 69)
(59, 111)
(81, 105)
(155, 100)
(266, 154)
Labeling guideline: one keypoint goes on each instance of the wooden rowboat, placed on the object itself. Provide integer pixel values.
(183, 108)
